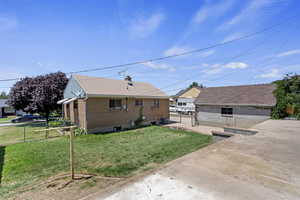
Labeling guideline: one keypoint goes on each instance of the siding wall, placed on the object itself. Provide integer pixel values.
(243, 116)
(100, 118)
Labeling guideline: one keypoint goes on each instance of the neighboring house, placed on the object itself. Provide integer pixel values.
(5, 109)
(104, 105)
(185, 99)
(239, 106)
(172, 102)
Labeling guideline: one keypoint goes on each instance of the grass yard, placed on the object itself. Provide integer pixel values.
(15, 134)
(119, 154)
(6, 119)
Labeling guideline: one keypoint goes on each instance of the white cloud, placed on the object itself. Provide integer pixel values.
(217, 68)
(159, 66)
(236, 65)
(213, 69)
(232, 37)
(142, 27)
(8, 23)
(212, 10)
(249, 12)
(288, 53)
(274, 73)
(176, 50)
(207, 53)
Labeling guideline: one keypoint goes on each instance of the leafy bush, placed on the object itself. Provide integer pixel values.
(298, 116)
(140, 119)
(80, 131)
(58, 123)
(287, 94)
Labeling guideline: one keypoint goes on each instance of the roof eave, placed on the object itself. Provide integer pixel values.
(233, 104)
(118, 96)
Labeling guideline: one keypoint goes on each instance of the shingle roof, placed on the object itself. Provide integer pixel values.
(96, 87)
(3, 103)
(256, 95)
(181, 92)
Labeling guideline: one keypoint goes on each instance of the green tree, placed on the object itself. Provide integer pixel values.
(3, 95)
(287, 94)
(39, 94)
(195, 84)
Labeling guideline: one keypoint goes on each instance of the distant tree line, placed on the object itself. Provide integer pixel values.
(3, 95)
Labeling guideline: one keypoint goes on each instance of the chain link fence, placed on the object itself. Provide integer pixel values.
(27, 132)
(186, 119)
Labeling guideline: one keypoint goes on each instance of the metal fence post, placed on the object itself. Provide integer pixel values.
(180, 117)
(47, 132)
(72, 153)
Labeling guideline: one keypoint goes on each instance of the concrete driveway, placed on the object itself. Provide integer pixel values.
(263, 166)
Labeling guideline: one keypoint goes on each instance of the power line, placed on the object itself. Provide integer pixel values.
(269, 60)
(284, 42)
(12, 79)
(176, 55)
(181, 54)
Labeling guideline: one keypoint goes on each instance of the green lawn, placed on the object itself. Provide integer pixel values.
(15, 134)
(119, 154)
(6, 119)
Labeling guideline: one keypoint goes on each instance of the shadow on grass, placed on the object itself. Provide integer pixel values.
(123, 130)
(2, 153)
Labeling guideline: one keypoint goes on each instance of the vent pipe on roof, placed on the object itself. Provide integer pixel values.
(129, 80)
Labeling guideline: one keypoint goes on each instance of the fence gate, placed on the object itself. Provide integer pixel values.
(188, 120)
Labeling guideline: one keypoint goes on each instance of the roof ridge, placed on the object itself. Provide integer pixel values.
(260, 84)
(97, 77)
(255, 94)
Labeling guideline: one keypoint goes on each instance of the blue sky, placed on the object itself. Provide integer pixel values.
(38, 37)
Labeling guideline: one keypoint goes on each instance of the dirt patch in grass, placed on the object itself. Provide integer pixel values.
(60, 187)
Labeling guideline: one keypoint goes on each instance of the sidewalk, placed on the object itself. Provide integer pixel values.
(199, 128)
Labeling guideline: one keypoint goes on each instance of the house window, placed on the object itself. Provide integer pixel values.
(156, 103)
(115, 104)
(227, 112)
(181, 104)
(138, 102)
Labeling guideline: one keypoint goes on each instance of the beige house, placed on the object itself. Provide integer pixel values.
(184, 99)
(103, 105)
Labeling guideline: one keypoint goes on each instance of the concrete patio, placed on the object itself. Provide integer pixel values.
(262, 166)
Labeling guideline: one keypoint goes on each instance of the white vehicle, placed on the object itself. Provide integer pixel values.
(185, 105)
(173, 109)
